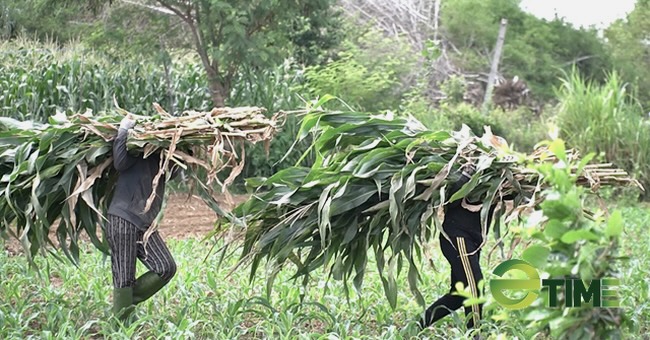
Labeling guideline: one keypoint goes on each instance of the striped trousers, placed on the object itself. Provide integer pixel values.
(125, 241)
(465, 268)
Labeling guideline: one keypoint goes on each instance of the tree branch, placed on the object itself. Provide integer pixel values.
(579, 59)
(175, 11)
(152, 8)
(198, 42)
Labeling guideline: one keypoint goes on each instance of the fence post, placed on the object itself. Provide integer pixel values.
(436, 14)
(495, 65)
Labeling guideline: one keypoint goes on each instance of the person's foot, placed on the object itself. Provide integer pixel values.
(423, 325)
(123, 306)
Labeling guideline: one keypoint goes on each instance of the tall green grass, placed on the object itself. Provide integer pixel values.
(605, 118)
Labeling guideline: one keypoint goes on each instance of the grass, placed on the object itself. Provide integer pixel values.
(606, 119)
(202, 302)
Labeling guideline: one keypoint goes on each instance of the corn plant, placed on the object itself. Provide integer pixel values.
(61, 173)
(36, 80)
(376, 184)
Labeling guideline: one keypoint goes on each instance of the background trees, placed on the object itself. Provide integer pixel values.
(426, 58)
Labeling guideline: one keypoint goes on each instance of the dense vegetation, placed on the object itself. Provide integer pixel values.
(74, 303)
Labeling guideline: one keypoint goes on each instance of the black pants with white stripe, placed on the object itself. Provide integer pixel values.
(125, 241)
(465, 268)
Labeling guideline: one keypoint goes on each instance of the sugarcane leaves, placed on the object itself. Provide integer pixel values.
(62, 170)
(7, 123)
(309, 122)
(376, 183)
(324, 203)
(360, 261)
(413, 279)
(488, 203)
(357, 195)
(425, 139)
(388, 278)
(396, 194)
(466, 188)
(93, 153)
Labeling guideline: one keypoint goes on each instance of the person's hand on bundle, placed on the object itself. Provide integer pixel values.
(467, 170)
(127, 122)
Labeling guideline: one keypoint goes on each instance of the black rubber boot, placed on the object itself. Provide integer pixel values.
(123, 303)
(146, 286)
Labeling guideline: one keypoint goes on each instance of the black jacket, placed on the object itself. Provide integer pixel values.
(134, 184)
(460, 221)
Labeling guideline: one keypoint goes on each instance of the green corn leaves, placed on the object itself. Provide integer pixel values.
(376, 184)
(56, 180)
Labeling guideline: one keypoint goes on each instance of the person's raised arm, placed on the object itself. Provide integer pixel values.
(121, 158)
(465, 174)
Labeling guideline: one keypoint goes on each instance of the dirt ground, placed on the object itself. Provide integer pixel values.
(190, 216)
(184, 217)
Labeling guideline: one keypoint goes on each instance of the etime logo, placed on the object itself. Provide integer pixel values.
(598, 292)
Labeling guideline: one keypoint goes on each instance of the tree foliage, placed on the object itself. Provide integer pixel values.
(371, 72)
(629, 43)
(536, 50)
(229, 34)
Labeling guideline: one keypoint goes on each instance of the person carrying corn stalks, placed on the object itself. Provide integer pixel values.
(462, 224)
(127, 225)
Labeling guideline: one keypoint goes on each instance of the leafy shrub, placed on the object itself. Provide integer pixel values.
(454, 89)
(522, 128)
(573, 245)
(370, 74)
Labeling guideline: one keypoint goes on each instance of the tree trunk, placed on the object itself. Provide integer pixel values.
(495, 66)
(218, 92)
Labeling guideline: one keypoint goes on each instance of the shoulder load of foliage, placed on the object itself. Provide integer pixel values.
(377, 183)
(58, 177)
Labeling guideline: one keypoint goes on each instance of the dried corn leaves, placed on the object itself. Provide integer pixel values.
(61, 175)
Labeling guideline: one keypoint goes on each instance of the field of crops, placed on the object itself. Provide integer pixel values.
(203, 302)
(209, 299)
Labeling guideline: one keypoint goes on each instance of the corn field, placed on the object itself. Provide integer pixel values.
(38, 79)
(34, 85)
(309, 197)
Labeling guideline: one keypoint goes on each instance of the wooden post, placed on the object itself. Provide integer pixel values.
(436, 14)
(495, 65)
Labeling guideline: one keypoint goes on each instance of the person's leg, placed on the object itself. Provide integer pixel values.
(122, 240)
(473, 274)
(156, 257)
(448, 302)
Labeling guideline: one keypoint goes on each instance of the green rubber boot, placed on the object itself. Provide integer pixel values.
(146, 286)
(123, 303)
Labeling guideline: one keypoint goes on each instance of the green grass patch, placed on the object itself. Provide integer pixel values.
(203, 302)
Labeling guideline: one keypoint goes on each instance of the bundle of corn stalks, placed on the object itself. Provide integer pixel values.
(61, 173)
(377, 182)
